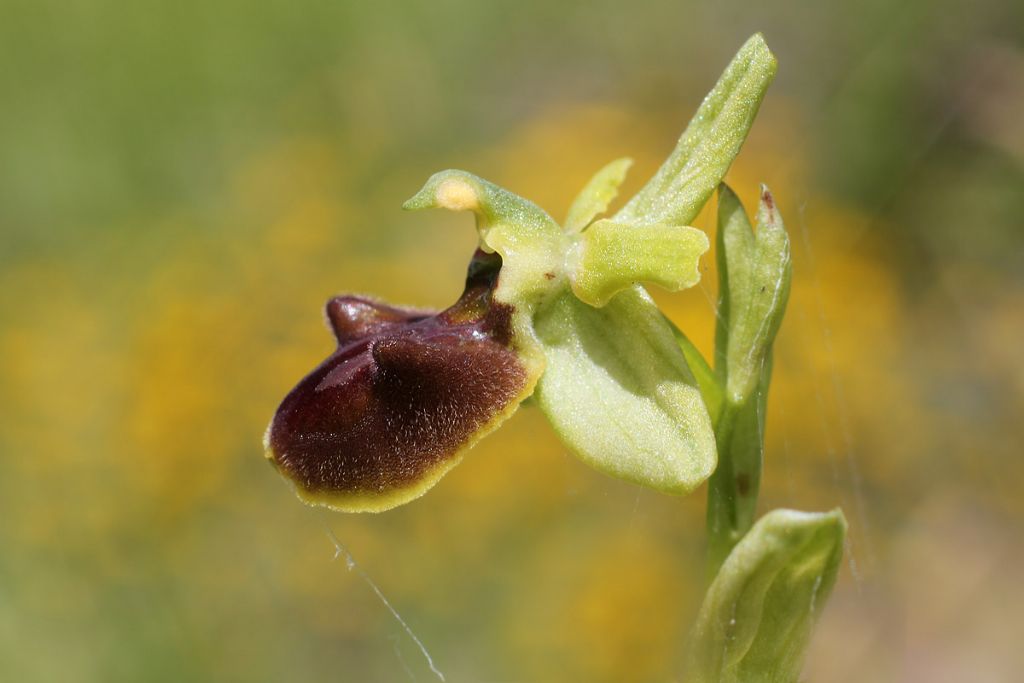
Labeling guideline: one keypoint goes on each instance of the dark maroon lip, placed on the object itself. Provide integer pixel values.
(403, 392)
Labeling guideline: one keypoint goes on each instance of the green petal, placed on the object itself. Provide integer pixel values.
(754, 274)
(758, 613)
(610, 257)
(707, 147)
(618, 391)
(596, 195)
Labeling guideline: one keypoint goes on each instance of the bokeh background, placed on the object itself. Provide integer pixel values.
(183, 184)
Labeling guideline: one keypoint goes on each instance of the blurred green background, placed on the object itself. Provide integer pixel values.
(183, 184)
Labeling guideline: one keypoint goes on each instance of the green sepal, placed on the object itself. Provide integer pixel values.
(754, 279)
(596, 195)
(758, 613)
(609, 257)
(709, 144)
(618, 392)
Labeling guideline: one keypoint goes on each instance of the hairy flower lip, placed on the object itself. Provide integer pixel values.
(401, 398)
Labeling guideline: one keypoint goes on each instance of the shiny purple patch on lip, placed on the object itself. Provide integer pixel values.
(402, 394)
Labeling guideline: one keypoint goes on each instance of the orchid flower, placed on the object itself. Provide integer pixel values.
(556, 312)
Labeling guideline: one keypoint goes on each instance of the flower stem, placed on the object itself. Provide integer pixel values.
(733, 488)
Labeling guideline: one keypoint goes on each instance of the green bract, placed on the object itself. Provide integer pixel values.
(758, 613)
(754, 273)
(555, 311)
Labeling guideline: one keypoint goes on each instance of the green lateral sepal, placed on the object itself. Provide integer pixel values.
(618, 392)
(711, 389)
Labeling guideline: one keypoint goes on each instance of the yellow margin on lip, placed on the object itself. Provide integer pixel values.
(376, 502)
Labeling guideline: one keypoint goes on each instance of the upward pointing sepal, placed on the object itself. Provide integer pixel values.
(709, 144)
